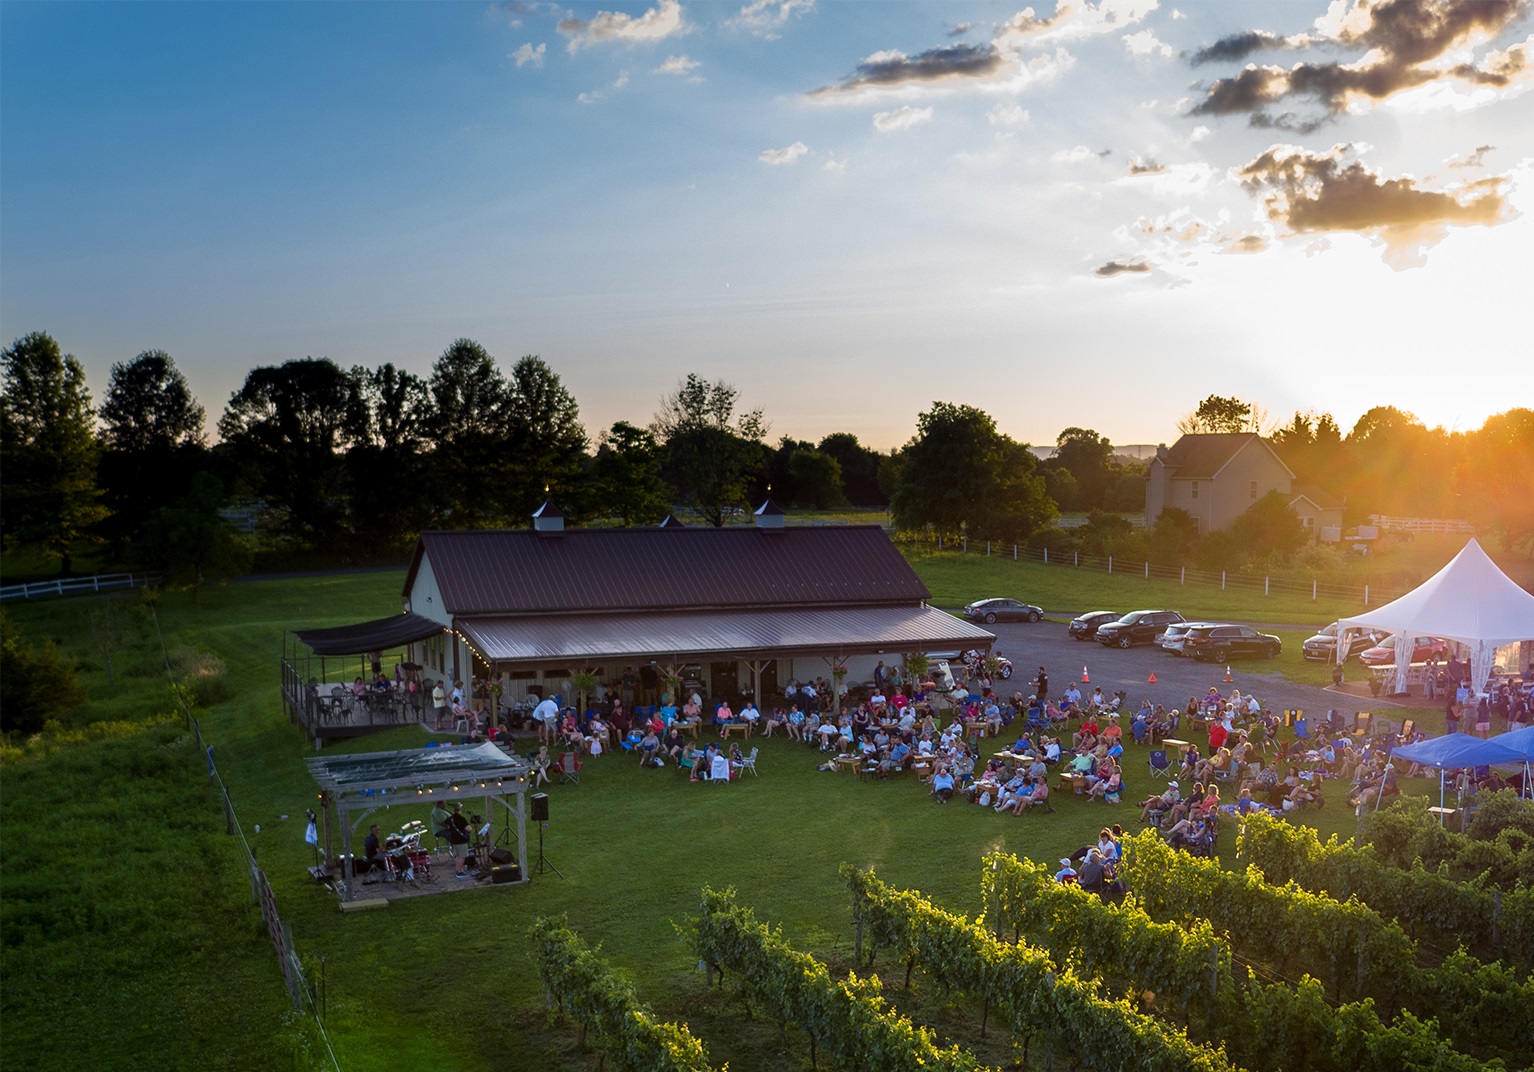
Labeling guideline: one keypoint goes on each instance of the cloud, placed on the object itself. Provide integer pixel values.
(786, 155)
(528, 54)
(676, 65)
(592, 96)
(962, 28)
(1474, 160)
(886, 70)
(1146, 44)
(1072, 156)
(1317, 193)
(662, 21)
(903, 118)
(1007, 114)
(835, 167)
(515, 9)
(997, 59)
(1200, 132)
(1113, 268)
(1247, 243)
(766, 17)
(1145, 167)
(1402, 44)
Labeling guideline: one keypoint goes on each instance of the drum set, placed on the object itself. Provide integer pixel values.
(404, 860)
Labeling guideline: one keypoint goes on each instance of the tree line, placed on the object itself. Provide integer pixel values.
(353, 462)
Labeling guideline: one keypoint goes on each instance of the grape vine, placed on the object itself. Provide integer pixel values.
(581, 982)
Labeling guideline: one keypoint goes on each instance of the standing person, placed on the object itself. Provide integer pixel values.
(879, 673)
(1451, 715)
(439, 703)
(458, 840)
(1041, 686)
(630, 683)
(375, 659)
(546, 714)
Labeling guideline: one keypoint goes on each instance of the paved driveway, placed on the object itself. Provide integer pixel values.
(1046, 643)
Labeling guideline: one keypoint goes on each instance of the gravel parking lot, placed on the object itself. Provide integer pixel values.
(1046, 643)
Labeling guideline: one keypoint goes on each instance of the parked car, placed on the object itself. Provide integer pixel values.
(1323, 646)
(1085, 626)
(1384, 653)
(990, 611)
(1137, 627)
(1172, 639)
(1222, 642)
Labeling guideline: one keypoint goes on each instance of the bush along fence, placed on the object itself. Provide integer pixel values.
(1041, 999)
(848, 1021)
(1189, 974)
(1426, 903)
(579, 982)
(1481, 1007)
(1368, 595)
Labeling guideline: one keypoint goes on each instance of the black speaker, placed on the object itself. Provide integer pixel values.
(505, 873)
(502, 856)
(540, 802)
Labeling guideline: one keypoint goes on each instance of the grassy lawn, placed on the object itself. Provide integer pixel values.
(130, 941)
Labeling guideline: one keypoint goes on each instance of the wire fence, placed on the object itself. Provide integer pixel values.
(301, 991)
(69, 586)
(1266, 585)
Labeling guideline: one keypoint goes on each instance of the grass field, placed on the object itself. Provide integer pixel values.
(161, 955)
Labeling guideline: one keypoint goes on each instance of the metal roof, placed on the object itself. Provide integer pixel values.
(765, 632)
(415, 766)
(521, 571)
(377, 635)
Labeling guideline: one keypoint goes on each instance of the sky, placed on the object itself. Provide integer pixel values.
(1092, 215)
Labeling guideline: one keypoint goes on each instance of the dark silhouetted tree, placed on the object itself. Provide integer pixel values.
(387, 468)
(712, 457)
(190, 543)
(1219, 414)
(288, 428)
(860, 469)
(152, 429)
(626, 476)
(37, 682)
(49, 498)
(545, 442)
(470, 457)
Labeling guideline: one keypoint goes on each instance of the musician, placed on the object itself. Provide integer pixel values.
(372, 858)
(458, 838)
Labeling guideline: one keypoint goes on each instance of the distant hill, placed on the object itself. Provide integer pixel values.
(1138, 451)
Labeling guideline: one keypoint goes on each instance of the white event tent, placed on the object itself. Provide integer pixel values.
(1469, 601)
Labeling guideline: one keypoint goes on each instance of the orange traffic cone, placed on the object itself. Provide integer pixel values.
(1084, 679)
(1151, 680)
(1227, 673)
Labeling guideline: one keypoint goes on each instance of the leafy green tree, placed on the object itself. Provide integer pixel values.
(49, 499)
(1088, 457)
(189, 543)
(544, 440)
(110, 624)
(1269, 527)
(712, 456)
(1174, 533)
(1496, 471)
(1219, 414)
(288, 428)
(469, 409)
(37, 682)
(960, 474)
(860, 469)
(626, 476)
(817, 477)
(152, 429)
(1311, 446)
(1103, 532)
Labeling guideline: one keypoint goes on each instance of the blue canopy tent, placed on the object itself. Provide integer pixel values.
(1522, 742)
(1457, 751)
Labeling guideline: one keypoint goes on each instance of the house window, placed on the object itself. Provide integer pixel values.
(1306, 522)
(1195, 489)
(1254, 489)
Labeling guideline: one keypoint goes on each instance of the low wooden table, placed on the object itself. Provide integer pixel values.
(1174, 742)
(850, 763)
(1071, 780)
(1443, 814)
(730, 729)
(688, 727)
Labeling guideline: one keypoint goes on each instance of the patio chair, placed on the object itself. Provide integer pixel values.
(569, 768)
(749, 763)
(1160, 765)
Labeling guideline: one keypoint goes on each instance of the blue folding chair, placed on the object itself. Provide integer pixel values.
(1160, 765)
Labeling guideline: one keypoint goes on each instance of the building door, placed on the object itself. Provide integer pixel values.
(771, 691)
(724, 679)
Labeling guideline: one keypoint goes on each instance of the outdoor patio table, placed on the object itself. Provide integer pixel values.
(730, 729)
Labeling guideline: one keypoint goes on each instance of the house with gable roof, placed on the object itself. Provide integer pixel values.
(1217, 476)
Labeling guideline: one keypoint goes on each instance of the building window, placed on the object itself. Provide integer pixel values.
(1305, 522)
(1254, 489)
(1195, 489)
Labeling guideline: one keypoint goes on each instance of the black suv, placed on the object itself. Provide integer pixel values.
(1085, 627)
(1137, 627)
(1221, 642)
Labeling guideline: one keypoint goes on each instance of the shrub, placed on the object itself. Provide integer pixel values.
(202, 672)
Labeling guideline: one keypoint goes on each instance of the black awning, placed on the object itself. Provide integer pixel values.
(369, 636)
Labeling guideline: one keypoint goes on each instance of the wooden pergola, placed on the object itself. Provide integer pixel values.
(353, 787)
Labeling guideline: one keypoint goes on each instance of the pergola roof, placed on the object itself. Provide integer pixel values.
(767, 632)
(430, 767)
(377, 635)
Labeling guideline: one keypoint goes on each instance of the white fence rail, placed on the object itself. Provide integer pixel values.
(1422, 524)
(70, 586)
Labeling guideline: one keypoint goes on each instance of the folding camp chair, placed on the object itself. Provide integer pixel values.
(749, 763)
(1160, 765)
(570, 768)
